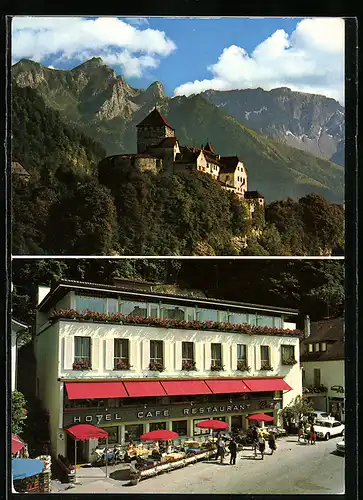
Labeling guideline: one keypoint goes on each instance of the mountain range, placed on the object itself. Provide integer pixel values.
(258, 126)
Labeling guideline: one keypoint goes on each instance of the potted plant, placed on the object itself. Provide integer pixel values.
(156, 366)
(243, 366)
(188, 365)
(218, 367)
(265, 365)
(289, 361)
(122, 365)
(81, 365)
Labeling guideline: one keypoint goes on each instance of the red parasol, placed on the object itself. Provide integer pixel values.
(261, 417)
(212, 424)
(161, 434)
(16, 444)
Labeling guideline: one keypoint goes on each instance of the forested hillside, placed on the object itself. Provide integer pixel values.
(69, 206)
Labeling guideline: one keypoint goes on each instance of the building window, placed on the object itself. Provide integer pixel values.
(180, 426)
(265, 356)
(172, 312)
(317, 381)
(216, 351)
(130, 308)
(288, 354)
(133, 432)
(198, 431)
(156, 351)
(82, 350)
(303, 377)
(265, 321)
(156, 426)
(323, 346)
(310, 347)
(238, 318)
(317, 347)
(187, 351)
(153, 310)
(112, 435)
(94, 304)
(207, 315)
(223, 316)
(241, 352)
(190, 313)
(121, 354)
(277, 322)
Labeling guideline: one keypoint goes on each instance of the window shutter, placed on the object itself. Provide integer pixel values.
(207, 356)
(198, 355)
(250, 356)
(145, 357)
(226, 360)
(234, 356)
(68, 352)
(178, 355)
(109, 353)
(95, 357)
(257, 357)
(133, 353)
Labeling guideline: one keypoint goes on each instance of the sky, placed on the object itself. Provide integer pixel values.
(190, 55)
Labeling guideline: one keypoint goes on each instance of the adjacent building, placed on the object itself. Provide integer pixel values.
(159, 149)
(322, 357)
(129, 359)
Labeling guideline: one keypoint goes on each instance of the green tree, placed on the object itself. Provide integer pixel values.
(297, 409)
(18, 412)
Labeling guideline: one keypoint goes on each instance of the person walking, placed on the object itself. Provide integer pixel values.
(255, 435)
(218, 447)
(261, 445)
(233, 450)
(272, 442)
(312, 434)
(300, 431)
(222, 449)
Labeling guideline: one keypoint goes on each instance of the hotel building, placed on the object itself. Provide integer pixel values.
(129, 359)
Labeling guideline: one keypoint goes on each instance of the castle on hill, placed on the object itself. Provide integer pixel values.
(158, 149)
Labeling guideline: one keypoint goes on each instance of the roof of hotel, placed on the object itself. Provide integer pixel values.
(330, 331)
(62, 287)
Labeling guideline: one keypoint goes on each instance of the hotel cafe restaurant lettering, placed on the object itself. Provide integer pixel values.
(129, 360)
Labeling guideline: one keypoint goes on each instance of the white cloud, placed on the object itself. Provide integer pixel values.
(72, 38)
(310, 60)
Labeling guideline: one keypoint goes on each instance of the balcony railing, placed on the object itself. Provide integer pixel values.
(173, 323)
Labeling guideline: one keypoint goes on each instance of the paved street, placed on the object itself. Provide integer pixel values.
(294, 468)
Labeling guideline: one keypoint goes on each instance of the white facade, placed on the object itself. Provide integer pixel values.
(331, 375)
(55, 354)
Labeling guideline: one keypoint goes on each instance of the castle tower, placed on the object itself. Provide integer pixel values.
(152, 130)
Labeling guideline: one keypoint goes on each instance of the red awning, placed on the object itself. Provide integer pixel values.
(95, 390)
(267, 384)
(185, 387)
(227, 386)
(86, 431)
(140, 389)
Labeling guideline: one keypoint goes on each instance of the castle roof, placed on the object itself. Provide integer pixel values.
(209, 147)
(154, 119)
(229, 164)
(253, 194)
(18, 168)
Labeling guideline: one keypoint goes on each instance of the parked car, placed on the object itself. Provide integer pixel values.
(326, 429)
(341, 447)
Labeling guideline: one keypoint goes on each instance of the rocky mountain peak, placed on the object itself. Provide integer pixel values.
(95, 62)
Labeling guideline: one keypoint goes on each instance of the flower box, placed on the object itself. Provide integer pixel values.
(217, 368)
(188, 366)
(123, 365)
(156, 366)
(290, 361)
(242, 366)
(266, 366)
(172, 323)
(81, 365)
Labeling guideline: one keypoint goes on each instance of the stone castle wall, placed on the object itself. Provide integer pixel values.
(151, 136)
